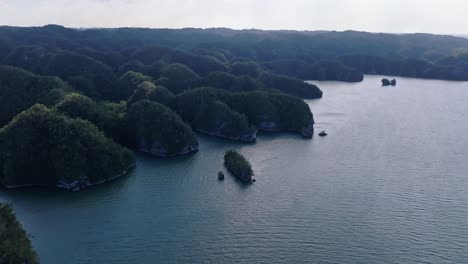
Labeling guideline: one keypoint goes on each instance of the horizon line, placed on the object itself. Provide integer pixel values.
(461, 35)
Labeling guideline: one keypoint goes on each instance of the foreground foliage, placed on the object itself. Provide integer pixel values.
(15, 246)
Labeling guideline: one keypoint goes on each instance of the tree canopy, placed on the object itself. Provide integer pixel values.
(238, 166)
(42, 147)
(75, 105)
(159, 131)
(20, 89)
(286, 113)
(291, 86)
(15, 245)
(249, 68)
(305, 55)
(178, 78)
(150, 91)
(129, 82)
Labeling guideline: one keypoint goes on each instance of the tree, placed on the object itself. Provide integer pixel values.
(129, 82)
(217, 119)
(20, 89)
(150, 91)
(249, 68)
(291, 86)
(178, 78)
(75, 105)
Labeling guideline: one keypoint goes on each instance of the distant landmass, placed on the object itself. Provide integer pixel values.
(311, 55)
(460, 35)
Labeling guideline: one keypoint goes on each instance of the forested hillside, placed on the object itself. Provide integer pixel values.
(307, 55)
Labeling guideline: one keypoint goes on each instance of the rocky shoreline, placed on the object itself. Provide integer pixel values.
(308, 131)
(238, 166)
(265, 126)
(159, 151)
(156, 149)
(270, 126)
(250, 138)
(76, 185)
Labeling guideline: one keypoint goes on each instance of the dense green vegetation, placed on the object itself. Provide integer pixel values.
(94, 71)
(264, 110)
(20, 90)
(42, 147)
(153, 55)
(343, 56)
(15, 246)
(129, 82)
(159, 131)
(109, 117)
(178, 78)
(290, 85)
(85, 74)
(227, 81)
(75, 105)
(238, 166)
(150, 91)
(323, 70)
(217, 119)
(248, 68)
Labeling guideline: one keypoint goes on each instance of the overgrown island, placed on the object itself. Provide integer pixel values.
(238, 166)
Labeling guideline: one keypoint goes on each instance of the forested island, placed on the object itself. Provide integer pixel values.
(238, 166)
(73, 102)
(15, 246)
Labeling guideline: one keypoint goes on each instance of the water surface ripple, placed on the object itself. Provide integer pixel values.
(388, 185)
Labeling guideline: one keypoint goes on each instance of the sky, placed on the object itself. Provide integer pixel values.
(393, 16)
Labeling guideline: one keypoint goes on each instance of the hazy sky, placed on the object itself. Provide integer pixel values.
(435, 16)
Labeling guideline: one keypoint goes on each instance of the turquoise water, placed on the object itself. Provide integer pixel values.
(388, 185)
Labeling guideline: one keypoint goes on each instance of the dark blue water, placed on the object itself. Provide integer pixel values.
(388, 185)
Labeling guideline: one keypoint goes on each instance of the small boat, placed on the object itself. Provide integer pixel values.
(220, 176)
(323, 134)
